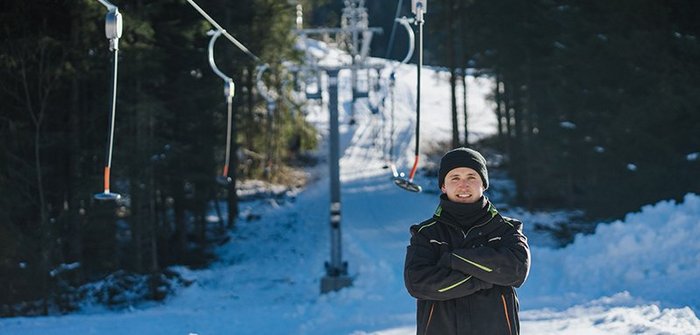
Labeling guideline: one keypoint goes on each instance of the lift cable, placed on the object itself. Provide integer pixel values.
(390, 47)
(406, 23)
(225, 33)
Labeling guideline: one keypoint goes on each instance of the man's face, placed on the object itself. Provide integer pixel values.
(463, 185)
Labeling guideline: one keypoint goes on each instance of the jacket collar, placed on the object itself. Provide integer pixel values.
(464, 216)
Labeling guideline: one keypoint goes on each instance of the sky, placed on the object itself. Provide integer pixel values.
(638, 275)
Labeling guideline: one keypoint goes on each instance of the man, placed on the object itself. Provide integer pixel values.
(464, 263)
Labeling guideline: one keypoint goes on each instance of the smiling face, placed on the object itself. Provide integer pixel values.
(463, 185)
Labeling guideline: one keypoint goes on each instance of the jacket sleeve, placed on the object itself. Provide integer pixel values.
(426, 279)
(505, 263)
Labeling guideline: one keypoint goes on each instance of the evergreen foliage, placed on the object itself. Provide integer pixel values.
(597, 100)
(55, 77)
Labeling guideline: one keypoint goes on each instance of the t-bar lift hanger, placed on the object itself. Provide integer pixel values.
(113, 31)
(419, 8)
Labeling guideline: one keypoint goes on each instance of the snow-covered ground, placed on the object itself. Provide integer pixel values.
(640, 275)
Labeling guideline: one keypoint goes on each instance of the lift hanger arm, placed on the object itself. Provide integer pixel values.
(406, 23)
(214, 35)
(260, 84)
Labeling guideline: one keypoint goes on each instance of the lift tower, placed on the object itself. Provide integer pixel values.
(354, 36)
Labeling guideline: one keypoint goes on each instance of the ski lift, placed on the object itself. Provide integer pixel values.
(315, 79)
(262, 89)
(374, 105)
(377, 85)
(113, 31)
(419, 8)
(295, 80)
(229, 91)
(358, 94)
(288, 83)
(363, 85)
(406, 23)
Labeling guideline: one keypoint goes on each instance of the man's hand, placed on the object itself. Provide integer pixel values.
(445, 261)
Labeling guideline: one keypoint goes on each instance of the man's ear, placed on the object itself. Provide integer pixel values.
(443, 189)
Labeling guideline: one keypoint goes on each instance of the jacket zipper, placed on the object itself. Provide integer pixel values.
(505, 310)
(472, 228)
(430, 318)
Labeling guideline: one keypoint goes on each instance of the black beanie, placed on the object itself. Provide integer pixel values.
(463, 157)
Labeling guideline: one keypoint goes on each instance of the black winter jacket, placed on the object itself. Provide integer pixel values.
(464, 276)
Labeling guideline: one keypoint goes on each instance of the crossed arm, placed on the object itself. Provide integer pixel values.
(430, 274)
(507, 264)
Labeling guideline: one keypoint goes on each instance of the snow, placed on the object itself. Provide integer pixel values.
(639, 275)
(651, 254)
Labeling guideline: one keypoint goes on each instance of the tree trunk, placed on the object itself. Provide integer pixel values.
(464, 107)
(180, 243)
(453, 73)
(499, 106)
(36, 110)
(76, 210)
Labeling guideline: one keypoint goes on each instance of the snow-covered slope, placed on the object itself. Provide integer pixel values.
(635, 276)
(652, 254)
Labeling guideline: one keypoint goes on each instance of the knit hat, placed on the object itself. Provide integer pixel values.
(463, 157)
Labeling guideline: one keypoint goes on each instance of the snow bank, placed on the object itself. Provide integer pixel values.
(609, 316)
(652, 254)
